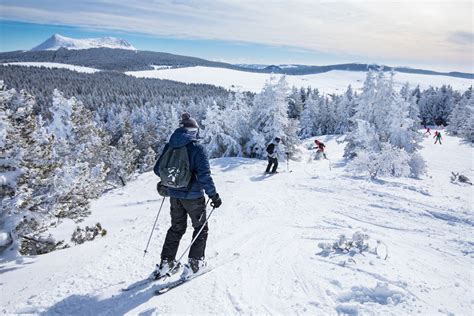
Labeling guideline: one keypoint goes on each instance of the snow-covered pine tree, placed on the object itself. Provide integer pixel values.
(10, 152)
(122, 159)
(436, 104)
(237, 116)
(467, 130)
(402, 132)
(295, 103)
(460, 114)
(344, 108)
(148, 161)
(215, 135)
(410, 96)
(34, 198)
(384, 139)
(309, 118)
(270, 115)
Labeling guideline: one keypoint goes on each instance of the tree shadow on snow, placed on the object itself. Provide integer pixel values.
(227, 164)
(118, 304)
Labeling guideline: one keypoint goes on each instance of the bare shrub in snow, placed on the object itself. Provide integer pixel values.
(82, 235)
(459, 178)
(39, 245)
(357, 244)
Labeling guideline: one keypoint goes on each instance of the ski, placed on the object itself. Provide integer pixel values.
(174, 284)
(145, 281)
(152, 279)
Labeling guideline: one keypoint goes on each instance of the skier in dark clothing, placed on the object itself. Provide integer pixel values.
(273, 152)
(428, 130)
(188, 200)
(437, 135)
(320, 148)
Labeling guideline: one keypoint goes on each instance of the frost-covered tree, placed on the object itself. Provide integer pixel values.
(270, 116)
(296, 103)
(216, 137)
(467, 129)
(309, 118)
(148, 160)
(410, 96)
(460, 114)
(384, 140)
(436, 104)
(270, 111)
(10, 152)
(344, 108)
(237, 115)
(122, 159)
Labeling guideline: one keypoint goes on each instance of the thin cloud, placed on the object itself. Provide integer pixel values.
(462, 38)
(406, 30)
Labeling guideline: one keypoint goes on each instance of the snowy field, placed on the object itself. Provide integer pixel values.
(335, 81)
(264, 240)
(55, 65)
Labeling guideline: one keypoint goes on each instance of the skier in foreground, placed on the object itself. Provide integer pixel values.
(273, 151)
(187, 197)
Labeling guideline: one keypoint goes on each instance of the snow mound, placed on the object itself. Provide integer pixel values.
(5, 239)
(382, 294)
(57, 41)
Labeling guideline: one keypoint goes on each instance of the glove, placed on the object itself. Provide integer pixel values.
(162, 190)
(216, 201)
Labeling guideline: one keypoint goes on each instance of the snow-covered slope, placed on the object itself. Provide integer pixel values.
(275, 224)
(55, 65)
(335, 81)
(58, 41)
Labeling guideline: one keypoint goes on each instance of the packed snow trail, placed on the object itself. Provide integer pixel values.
(275, 224)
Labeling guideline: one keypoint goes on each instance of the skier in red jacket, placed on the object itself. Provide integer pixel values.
(320, 148)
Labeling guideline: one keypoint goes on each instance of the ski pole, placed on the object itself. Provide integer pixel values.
(194, 239)
(287, 162)
(153, 229)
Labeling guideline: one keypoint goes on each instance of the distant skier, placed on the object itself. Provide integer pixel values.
(273, 152)
(428, 130)
(320, 149)
(185, 172)
(437, 135)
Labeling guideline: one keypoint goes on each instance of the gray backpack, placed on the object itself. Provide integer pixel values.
(174, 168)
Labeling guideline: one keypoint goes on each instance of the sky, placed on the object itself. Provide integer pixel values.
(436, 35)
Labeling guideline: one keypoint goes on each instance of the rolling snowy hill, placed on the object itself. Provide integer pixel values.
(57, 41)
(335, 81)
(265, 246)
(55, 65)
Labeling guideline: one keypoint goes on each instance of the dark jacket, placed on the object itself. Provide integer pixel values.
(198, 163)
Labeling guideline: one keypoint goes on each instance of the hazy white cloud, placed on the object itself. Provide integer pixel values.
(405, 30)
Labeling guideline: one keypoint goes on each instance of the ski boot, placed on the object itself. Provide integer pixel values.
(193, 267)
(166, 268)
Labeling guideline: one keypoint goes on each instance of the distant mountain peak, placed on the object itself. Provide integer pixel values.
(58, 41)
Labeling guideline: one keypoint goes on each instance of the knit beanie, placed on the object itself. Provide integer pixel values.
(187, 121)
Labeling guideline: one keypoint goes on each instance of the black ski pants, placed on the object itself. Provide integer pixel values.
(180, 209)
(274, 162)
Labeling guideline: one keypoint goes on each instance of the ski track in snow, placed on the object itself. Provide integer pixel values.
(274, 224)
